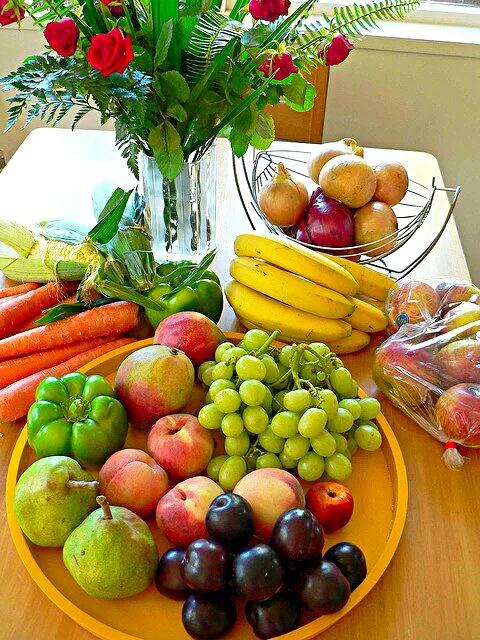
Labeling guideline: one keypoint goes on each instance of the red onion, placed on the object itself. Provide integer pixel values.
(327, 222)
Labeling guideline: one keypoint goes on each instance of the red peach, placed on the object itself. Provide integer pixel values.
(182, 511)
(132, 479)
(413, 301)
(458, 414)
(270, 492)
(191, 332)
(180, 445)
(331, 503)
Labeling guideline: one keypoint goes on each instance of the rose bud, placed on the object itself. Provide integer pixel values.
(268, 10)
(110, 52)
(9, 16)
(115, 7)
(337, 51)
(62, 36)
(281, 63)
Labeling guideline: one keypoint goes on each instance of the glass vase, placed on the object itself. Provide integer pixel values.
(181, 213)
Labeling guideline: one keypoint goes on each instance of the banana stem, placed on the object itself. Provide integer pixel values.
(81, 484)
(103, 503)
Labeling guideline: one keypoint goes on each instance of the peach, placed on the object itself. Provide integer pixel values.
(153, 382)
(132, 479)
(270, 492)
(413, 302)
(180, 445)
(181, 512)
(191, 332)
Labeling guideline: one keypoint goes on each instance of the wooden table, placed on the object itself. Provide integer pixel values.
(431, 589)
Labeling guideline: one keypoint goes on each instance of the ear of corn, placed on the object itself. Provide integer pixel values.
(34, 270)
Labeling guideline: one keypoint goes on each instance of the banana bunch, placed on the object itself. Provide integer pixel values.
(308, 296)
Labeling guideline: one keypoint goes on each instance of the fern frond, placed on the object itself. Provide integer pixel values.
(43, 11)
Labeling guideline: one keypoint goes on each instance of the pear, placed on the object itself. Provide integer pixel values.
(52, 497)
(112, 554)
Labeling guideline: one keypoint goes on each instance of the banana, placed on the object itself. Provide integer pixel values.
(291, 256)
(290, 289)
(372, 283)
(376, 303)
(358, 340)
(270, 314)
(366, 317)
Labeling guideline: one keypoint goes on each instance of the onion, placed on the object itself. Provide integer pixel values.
(327, 222)
(329, 150)
(283, 200)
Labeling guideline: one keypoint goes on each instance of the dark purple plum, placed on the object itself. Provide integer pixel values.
(206, 566)
(323, 588)
(275, 616)
(350, 560)
(207, 616)
(168, 579)
(257, 572)
(297, 535)
(230, 521)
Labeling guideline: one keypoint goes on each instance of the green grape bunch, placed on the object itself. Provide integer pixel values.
(294, 408)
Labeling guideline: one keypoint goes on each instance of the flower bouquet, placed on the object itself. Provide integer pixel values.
(176, 75)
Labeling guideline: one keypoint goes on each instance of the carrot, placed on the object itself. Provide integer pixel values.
(109, 320)
(30, 324)
(13, 370)
(30, 304)
(16, 399)
(21, 288)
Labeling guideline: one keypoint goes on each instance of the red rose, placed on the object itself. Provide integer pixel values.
(337, 51)
(268, 10)
(8, 16)
(117, 10)
(110, 52)
(62, 36)
(281, 63)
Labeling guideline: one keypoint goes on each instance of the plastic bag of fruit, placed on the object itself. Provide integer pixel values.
(430, 365)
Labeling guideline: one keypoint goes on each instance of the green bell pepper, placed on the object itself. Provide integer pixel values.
(78, 416)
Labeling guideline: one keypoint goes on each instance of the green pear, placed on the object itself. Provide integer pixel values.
(52, 497)
(112, 554)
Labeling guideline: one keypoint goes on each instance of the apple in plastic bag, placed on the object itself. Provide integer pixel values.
(459, 362)
(412, 302)
(457, 413)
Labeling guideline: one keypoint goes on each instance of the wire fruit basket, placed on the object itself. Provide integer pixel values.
(257, 168)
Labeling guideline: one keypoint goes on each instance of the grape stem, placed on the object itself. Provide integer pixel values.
(267, 343)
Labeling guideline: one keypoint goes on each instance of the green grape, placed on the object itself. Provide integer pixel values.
(220, 385)
(267, 403)
(272, 369)
(296, 446)
(268, 461)
(338, 467)
(220, 350)
(320, 348)
(277, 402)
(251, 458)
(320, 377)
(231, 472)
(324, 444)
(269, 441)
(370, 408)
(232, 425)
(368, 438)
(341, 442)
(233, 354)
(255, 419)
(250, 368)
(285, 355)
(222, 371)
(353, 390)
(207, 376)
(341, 422)
(214, 466)
(210, 417)
(241, 345)
(312, 423)
(361, 422)
(341, 380)
(352, 445)
(287, 462)
(203, 367)
(351, 405)
(208, 398)
(309, 372)
(255, 339)
(227, 401)
(311, 467)
(285, 424)
(282, 370)
(237, 446)
(327, 401)
(252, 392)
(298, 400)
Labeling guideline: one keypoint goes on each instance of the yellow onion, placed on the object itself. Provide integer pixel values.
(284, 199)
(325, 152)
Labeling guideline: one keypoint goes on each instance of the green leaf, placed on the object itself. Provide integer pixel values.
(107, 226)
(194, 275)
(175, 110)
(175, 85)
(167, 149)
(119, 291)
(300, 94)
(264, 133)
(62, 311)
(163, 43)
(239, 141)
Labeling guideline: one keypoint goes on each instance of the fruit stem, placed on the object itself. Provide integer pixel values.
(80, 484)
(267, 343)
(102, 502)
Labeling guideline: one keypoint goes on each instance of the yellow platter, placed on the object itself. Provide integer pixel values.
(379, 486)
